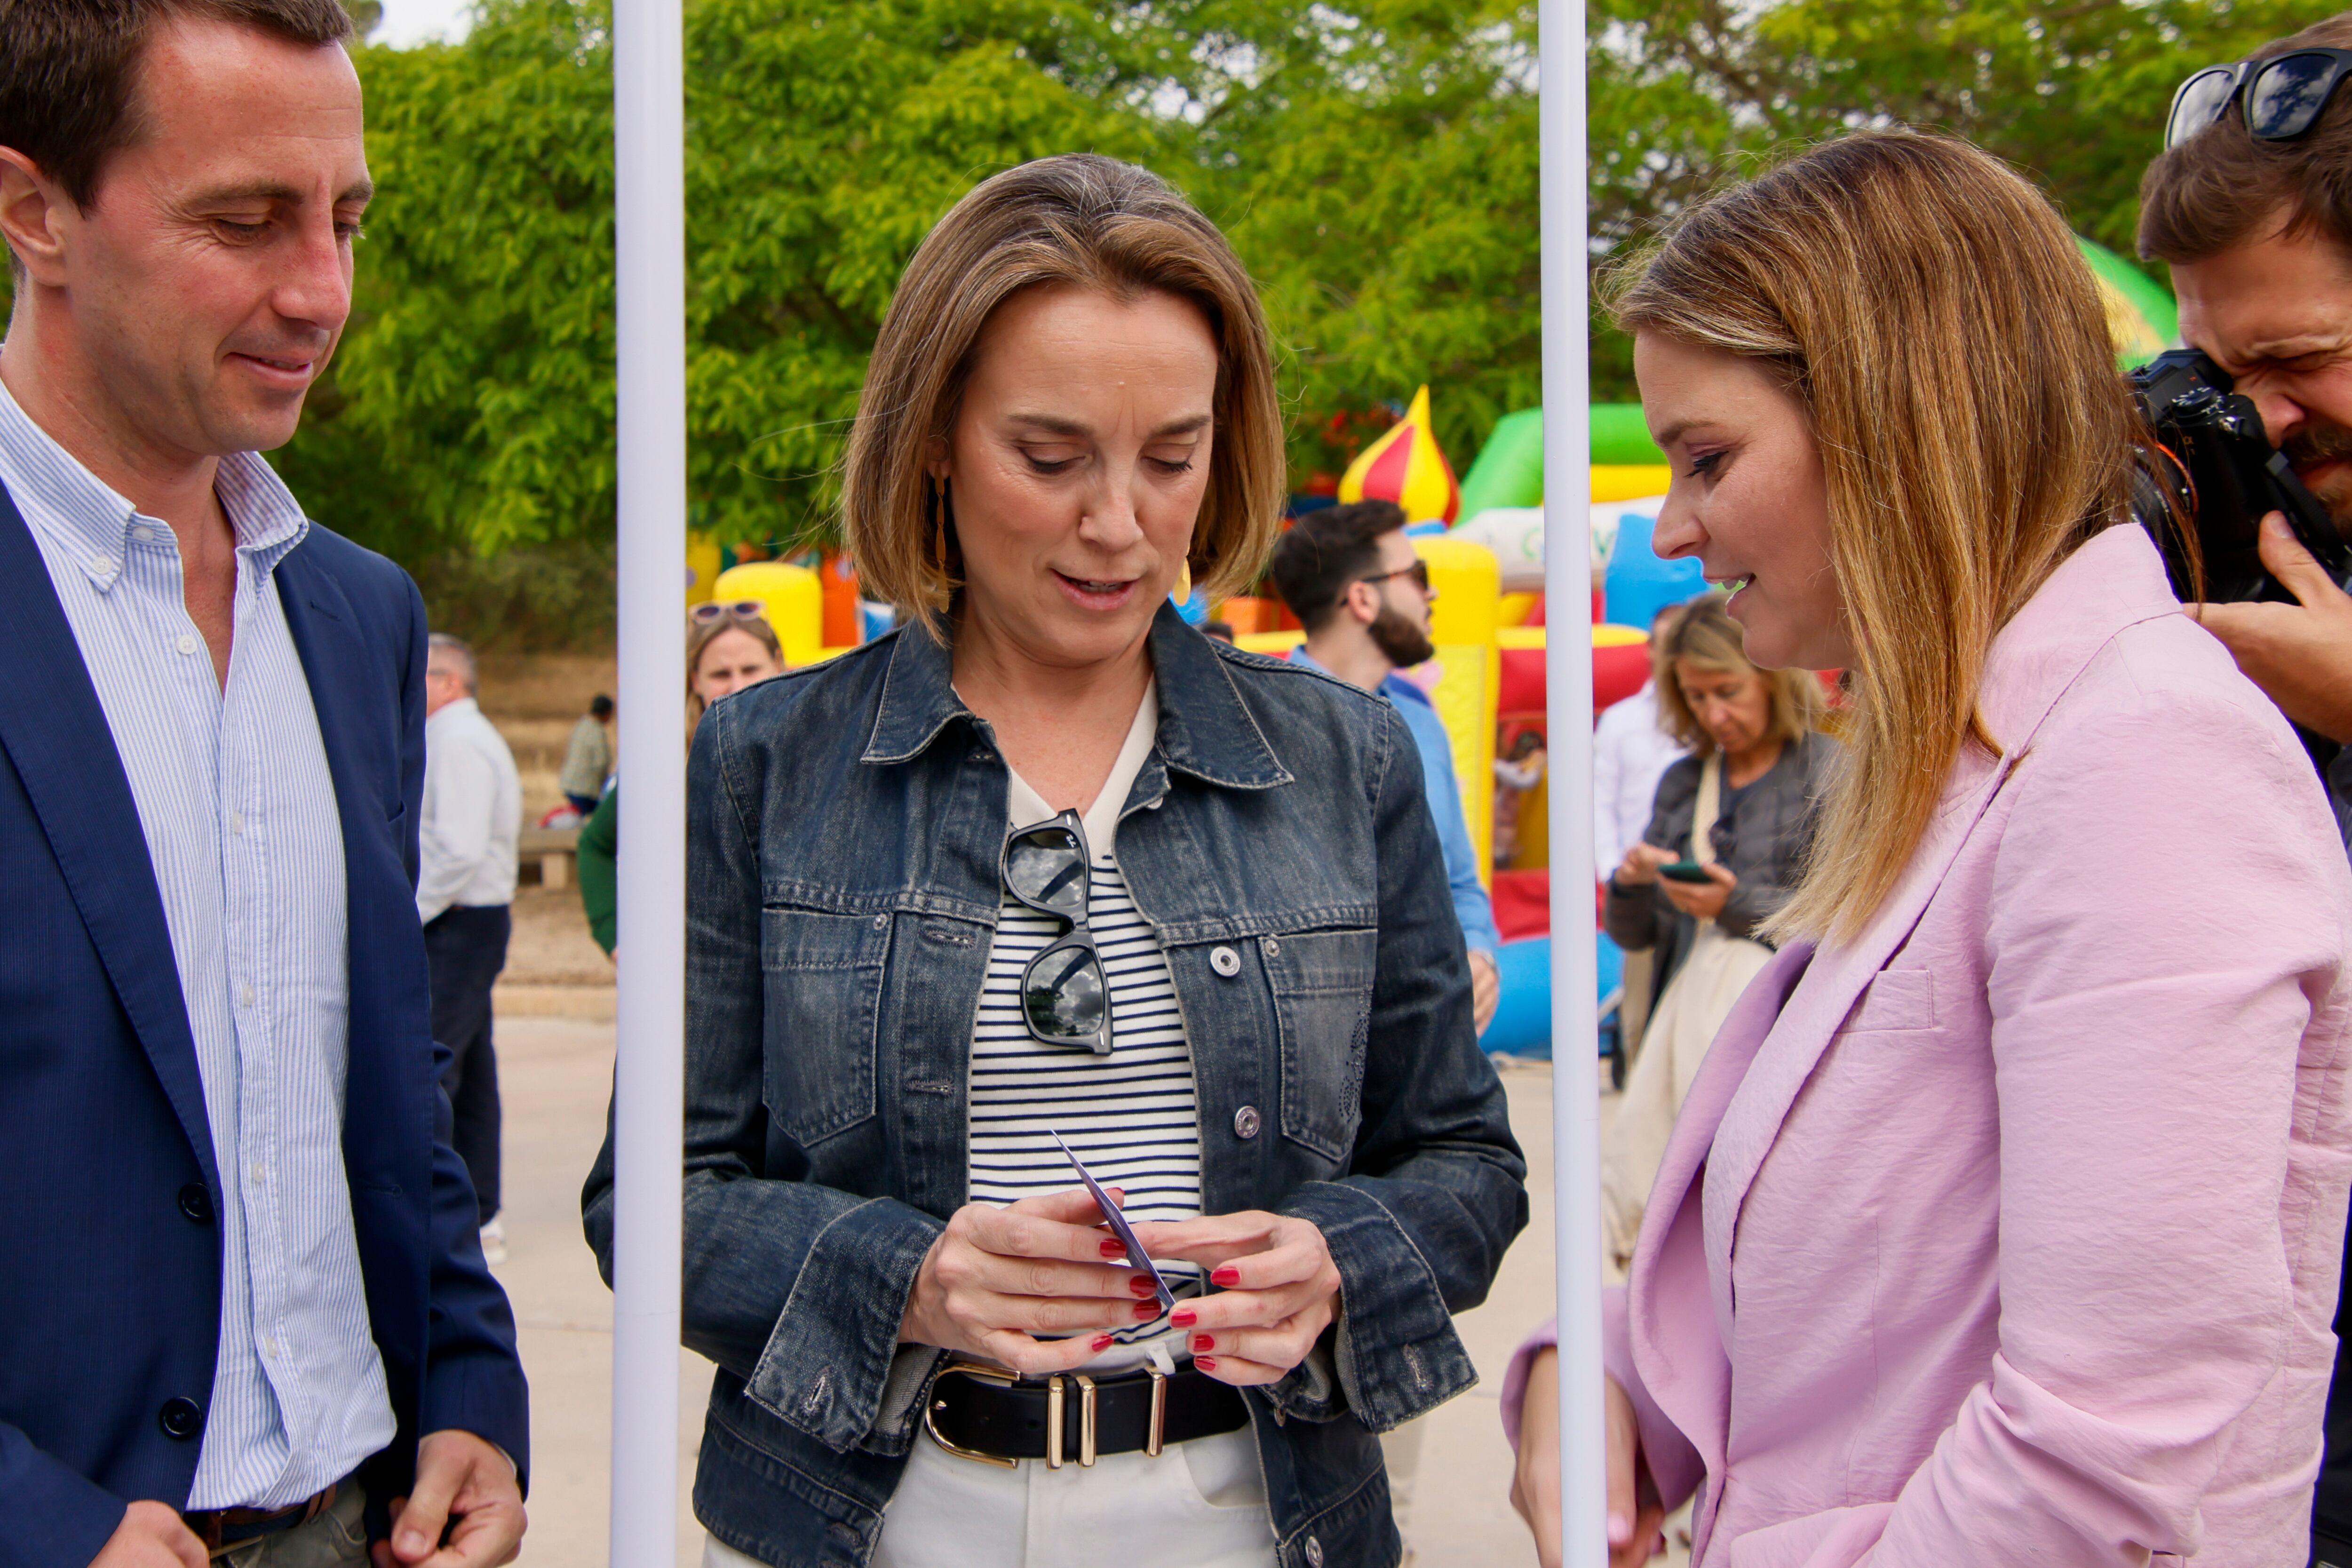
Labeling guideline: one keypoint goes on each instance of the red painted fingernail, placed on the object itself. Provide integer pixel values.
(1183, 1316)
(1101, 1342)
(1146, 1310)
(1226, 1276)
(1141, 1285)
(1112, 1247)
(1206, 1363)
(1204, 1341)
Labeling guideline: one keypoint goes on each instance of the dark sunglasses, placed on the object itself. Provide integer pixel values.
(1064, 997)
(704, 613)
(2284, 95)
(1418, 571)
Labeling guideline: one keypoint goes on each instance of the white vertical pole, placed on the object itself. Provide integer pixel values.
(1568, 673)
(649, 181)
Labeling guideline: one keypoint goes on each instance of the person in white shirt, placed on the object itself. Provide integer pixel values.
(465, 886)
(1630, 752)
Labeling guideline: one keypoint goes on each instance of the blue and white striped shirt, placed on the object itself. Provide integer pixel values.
(238, 811)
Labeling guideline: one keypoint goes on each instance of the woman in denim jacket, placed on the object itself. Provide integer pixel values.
(1048, 865)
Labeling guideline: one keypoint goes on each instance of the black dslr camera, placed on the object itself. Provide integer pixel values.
(2209, 477)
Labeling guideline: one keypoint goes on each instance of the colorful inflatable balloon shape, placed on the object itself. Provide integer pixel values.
(1405, 465)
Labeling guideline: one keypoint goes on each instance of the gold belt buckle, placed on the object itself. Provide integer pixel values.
(932, 1406)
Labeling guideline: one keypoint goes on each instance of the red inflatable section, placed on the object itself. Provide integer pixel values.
(1617, 674)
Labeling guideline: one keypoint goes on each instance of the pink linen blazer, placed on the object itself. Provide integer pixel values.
(2009, 1232)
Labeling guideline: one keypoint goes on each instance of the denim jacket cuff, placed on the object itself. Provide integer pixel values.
(1398, 1354)
(827, 1363)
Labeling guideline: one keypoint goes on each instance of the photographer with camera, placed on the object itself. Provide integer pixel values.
(2251, 204)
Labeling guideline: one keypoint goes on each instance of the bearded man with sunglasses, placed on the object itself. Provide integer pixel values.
(2252, 203)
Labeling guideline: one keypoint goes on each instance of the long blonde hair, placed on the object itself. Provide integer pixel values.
(1930, 311)
(1702, 635)
(1077, 218)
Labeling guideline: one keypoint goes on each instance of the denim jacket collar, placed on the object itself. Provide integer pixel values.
(1205, 729)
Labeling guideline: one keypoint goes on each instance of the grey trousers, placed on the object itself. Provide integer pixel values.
(330, 1540)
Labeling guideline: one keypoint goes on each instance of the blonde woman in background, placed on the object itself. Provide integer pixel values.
(1738, 811)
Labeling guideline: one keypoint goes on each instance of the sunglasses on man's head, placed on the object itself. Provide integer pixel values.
(2283, 95)
(1065, 998)
(704, 613)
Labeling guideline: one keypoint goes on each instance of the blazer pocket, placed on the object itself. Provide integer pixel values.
(1895, 999)
(1322, 985)
(822, 979)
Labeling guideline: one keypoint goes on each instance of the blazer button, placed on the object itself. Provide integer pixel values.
(196, 1202)
(180, 1419)
(1314, 1552)
(1226, 961)
(1246, 1121)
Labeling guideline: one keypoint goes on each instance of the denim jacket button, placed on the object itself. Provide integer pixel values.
(1246, 1121)
(1314, 1552)
(881, 923)
(1273, 947)
(1226, 961)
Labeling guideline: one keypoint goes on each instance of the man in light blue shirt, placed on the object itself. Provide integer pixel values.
(1351, 577)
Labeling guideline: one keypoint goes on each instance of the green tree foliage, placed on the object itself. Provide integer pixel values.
(1374, 161)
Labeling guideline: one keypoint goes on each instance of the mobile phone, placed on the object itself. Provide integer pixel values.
(1684, 871)
(1136, 1257)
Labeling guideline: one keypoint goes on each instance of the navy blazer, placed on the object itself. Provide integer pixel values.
(110, 1260)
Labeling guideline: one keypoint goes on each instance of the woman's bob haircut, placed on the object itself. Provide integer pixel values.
(1706, 638)
(1078, 219)
(1928, 308)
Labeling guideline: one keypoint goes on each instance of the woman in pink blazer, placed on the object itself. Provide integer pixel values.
(2002, 1222)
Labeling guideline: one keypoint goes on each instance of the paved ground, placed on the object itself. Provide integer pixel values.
(556, 1074)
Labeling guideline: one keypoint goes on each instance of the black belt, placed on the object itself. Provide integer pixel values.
(987, 1414)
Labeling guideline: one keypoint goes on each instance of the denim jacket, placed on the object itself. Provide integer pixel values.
(845, 823)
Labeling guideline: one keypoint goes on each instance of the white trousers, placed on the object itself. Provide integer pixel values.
(1199, 1505)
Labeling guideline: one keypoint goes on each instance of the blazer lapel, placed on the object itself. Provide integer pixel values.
(55, 732)
(2112, 582)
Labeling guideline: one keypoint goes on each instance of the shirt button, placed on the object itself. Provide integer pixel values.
(187, 643)
(181, 1418)
(104, 566)
(237, 822)
(1246, 1121)
(259, 1173)
(1226, 961)
(143, 534)
(244, 995)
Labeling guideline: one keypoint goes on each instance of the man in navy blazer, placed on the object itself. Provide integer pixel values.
(244, 1315)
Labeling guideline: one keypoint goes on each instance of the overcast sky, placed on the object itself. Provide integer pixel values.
(409, 21)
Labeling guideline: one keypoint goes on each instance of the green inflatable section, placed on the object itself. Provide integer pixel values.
(1509, 469)
(2142, 318)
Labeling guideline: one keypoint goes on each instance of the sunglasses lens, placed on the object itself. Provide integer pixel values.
(2287, 95)
(749, 607)
(2199, 103)
(1064, 994)
(1042, 868)
(1420, 573)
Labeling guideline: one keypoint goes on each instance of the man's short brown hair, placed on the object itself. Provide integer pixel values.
(67, 67)
(1328, 552)
(2221, 188)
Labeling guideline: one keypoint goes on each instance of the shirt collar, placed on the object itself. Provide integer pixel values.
(1205, 729)
(1393, 686)
(95, 523)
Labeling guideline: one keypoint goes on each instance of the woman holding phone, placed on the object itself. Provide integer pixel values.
(2002, 1222)
(1048, 866)
(1727, 841)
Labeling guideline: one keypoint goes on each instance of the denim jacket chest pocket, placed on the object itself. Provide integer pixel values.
(822, 975)
(1322, 986)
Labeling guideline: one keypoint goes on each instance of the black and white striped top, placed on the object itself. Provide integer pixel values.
(1133, 1116)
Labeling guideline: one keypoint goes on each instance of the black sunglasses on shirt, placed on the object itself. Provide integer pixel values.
(1065, 996)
